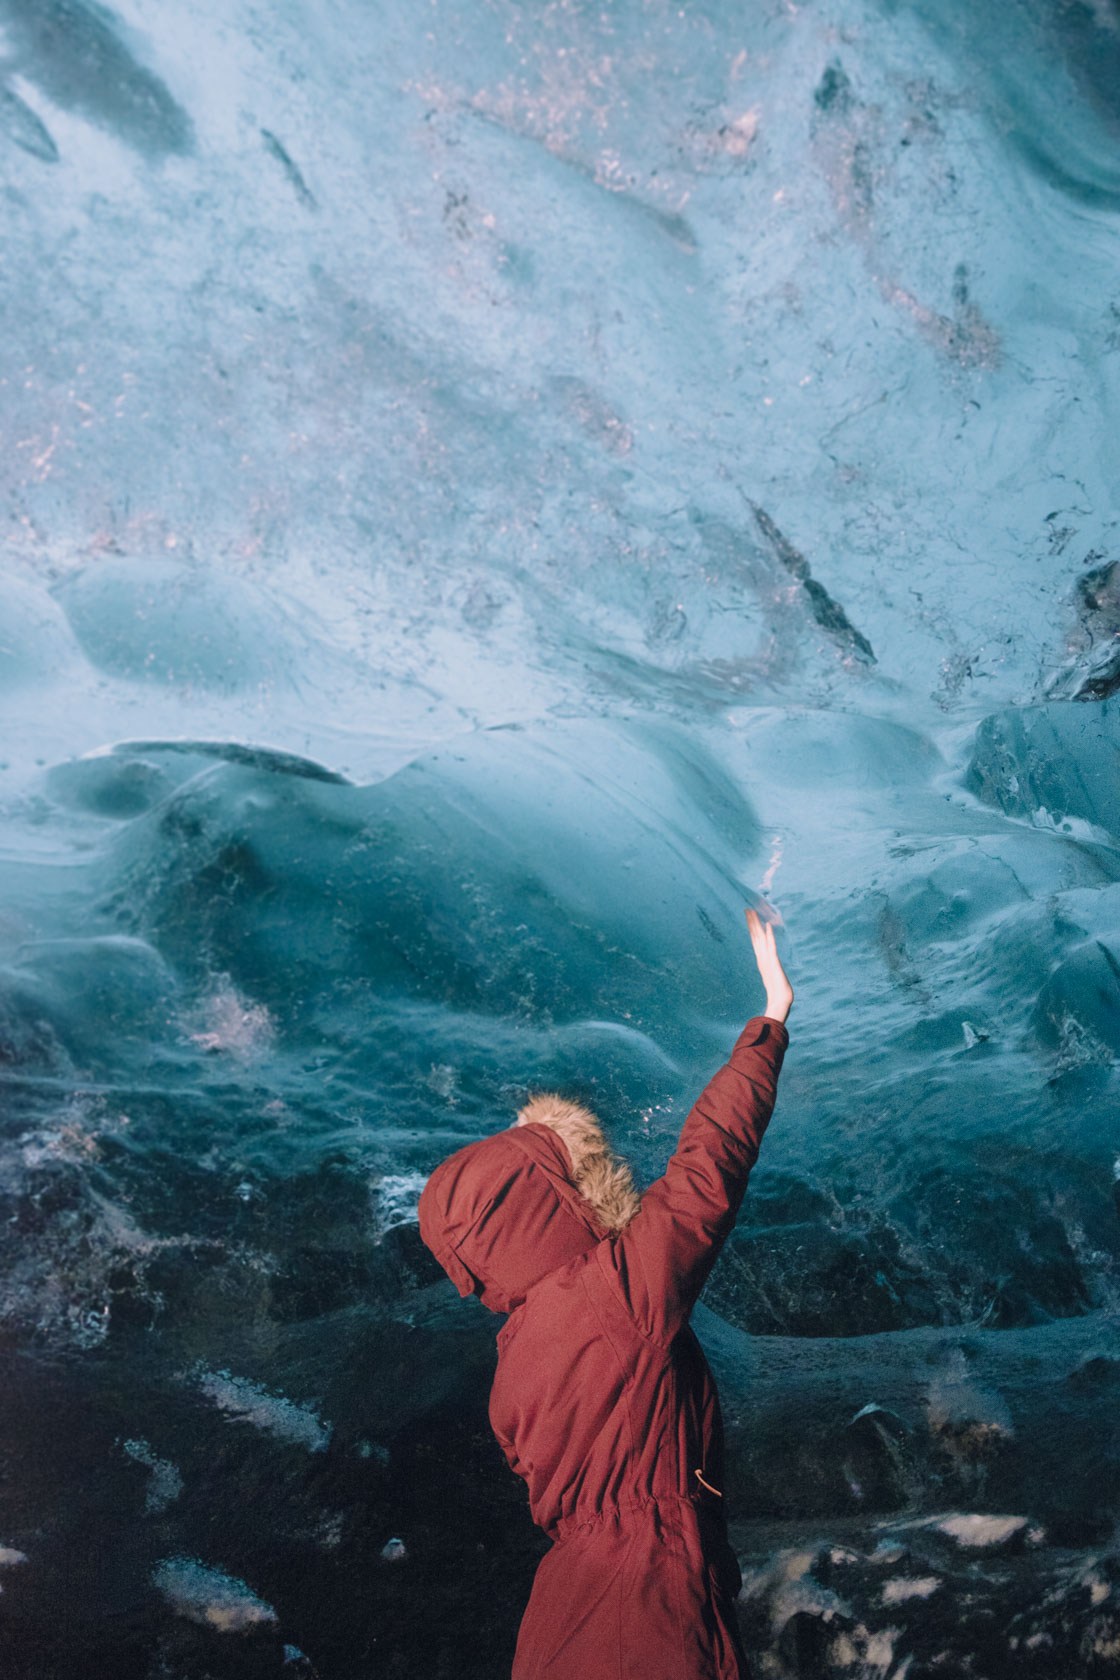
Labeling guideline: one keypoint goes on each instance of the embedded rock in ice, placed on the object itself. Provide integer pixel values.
(1057, 764)
(1092, 671)
(819, 1279)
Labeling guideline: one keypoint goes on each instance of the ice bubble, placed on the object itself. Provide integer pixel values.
(210, 1596)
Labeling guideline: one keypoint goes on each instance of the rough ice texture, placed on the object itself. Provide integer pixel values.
(487, 491)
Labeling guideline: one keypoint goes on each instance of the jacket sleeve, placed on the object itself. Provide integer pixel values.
(661, 1261)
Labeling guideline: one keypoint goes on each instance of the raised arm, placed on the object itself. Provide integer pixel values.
(661, 1261)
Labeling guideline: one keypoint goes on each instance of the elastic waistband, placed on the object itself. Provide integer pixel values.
(623, 1514)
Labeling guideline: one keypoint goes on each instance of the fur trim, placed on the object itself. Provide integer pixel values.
(597, 1173)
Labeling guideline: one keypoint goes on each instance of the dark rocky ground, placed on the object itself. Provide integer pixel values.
(901, 1506)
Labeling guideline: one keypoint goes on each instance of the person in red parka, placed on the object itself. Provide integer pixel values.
(603, 1401)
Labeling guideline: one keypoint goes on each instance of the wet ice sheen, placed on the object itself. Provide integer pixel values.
(488, 491)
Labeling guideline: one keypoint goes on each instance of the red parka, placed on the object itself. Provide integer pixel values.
(603, 1400)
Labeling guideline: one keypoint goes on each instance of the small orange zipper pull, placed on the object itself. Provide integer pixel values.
(708, 1485)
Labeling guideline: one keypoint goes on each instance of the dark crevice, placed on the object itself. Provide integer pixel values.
(828, 613)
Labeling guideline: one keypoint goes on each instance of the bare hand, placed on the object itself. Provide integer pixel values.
(779, 992)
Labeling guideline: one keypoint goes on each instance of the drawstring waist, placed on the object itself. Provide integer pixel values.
(625, 1511)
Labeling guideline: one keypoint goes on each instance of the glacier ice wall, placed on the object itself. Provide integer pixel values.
(488, 490)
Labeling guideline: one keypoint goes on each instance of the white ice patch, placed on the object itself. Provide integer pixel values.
(247, 1402)
(396, 1197)
(1057, 822)
(975, 1530)
(227, 1023)
(785, 1578)
(880, 1652)
(897, 1592)
(165, 1483)
(210, 1596)
(9, 1554)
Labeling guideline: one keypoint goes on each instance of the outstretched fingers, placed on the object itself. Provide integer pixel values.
(779, 992)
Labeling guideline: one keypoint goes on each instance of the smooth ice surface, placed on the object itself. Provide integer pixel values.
(488, 492)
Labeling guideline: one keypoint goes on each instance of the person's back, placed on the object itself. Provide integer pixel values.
(603, 1401)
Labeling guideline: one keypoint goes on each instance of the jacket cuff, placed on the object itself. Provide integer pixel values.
(762, 1029)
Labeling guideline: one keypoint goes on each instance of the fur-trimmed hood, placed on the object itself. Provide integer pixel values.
(604, 1182)
(501, 1214)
